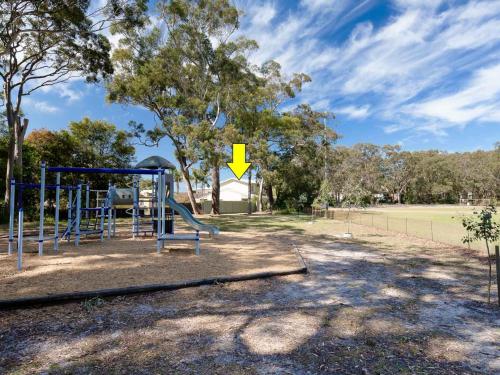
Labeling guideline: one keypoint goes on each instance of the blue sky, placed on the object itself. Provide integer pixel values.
(424, 74)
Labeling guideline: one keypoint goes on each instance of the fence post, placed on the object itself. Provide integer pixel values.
(387, 223)
(432, 232)
(372, 220)
(497, 250)
(406, 225)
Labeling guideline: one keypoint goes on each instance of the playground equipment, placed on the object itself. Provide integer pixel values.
(160, 204)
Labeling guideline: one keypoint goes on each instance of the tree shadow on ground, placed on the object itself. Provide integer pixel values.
(364, 308)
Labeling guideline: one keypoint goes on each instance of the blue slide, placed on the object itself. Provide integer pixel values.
(190, 219)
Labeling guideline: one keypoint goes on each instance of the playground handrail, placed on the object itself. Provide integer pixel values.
(105, 170)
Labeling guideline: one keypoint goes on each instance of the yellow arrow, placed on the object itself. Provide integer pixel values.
(239, 165)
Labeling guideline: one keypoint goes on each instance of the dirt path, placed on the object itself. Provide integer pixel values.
(377, 304)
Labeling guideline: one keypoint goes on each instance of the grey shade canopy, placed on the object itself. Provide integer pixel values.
(155, 162)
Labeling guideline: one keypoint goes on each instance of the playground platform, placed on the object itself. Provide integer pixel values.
(124, 265)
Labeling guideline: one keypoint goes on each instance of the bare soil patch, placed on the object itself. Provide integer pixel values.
(377, 304)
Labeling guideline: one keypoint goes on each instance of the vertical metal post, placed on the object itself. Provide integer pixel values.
(432, 232)
(406, 225)
(138, 193)
(87, 199)
(20, 228)
(42, 209)
(197, 242)
(102, 224)
(108, 216)
(109, 212)
(497, 255)
(12, 205)
(78, 213)
(387, 223)
(56, 224)
(163, 199)
(135, 209)
(113, 210)
(70, 213)
(158, 213)
(171, 195)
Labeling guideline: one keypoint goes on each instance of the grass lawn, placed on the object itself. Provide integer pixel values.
(439, 213)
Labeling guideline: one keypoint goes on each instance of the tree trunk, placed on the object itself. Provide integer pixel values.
(249, 210)
(489, 279)
(18, 152)
(185, 175)
(17, 132)
(261, 193)
(10, 168)
(270, 198)
(215, 190)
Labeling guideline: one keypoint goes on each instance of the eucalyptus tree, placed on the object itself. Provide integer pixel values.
(178, 69)
(398, 169)
(46, 42)
(304, 142)
(258, 121)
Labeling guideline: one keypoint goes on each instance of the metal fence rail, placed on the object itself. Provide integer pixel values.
(448, 233)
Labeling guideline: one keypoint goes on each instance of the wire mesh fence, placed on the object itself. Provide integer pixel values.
(448, 233)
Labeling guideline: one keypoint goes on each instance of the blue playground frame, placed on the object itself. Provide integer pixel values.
(164, 183)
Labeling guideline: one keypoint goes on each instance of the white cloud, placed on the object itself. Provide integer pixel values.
(72, 95)
(429, 68)
(317, 4)
(262, 14)
(354, 112)
(39, 106)
(478, 100)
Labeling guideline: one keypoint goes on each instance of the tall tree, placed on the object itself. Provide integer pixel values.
(258, 122)
(86, 143)
(177, 71)
(302, 145)
(398, 170)
(46, 42)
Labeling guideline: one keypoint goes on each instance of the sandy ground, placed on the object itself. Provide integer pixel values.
(123, 261)
(377, 304)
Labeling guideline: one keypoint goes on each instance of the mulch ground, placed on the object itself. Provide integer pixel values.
(123, 262)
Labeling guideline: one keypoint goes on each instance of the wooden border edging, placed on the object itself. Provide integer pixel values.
(77, 296)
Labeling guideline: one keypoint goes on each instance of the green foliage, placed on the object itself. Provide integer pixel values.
(411, 177)
(184, 73)
(356, 197)
(46, 42)
(92, 304)
(86, 143)
(482, 226)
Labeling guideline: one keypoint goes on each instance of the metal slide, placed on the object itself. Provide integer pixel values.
(190, 219)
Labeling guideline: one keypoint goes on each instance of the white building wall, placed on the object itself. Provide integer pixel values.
(230, 190)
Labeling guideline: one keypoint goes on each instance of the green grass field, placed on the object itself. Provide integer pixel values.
(442, 223)
(437, 222)
(440, 213)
